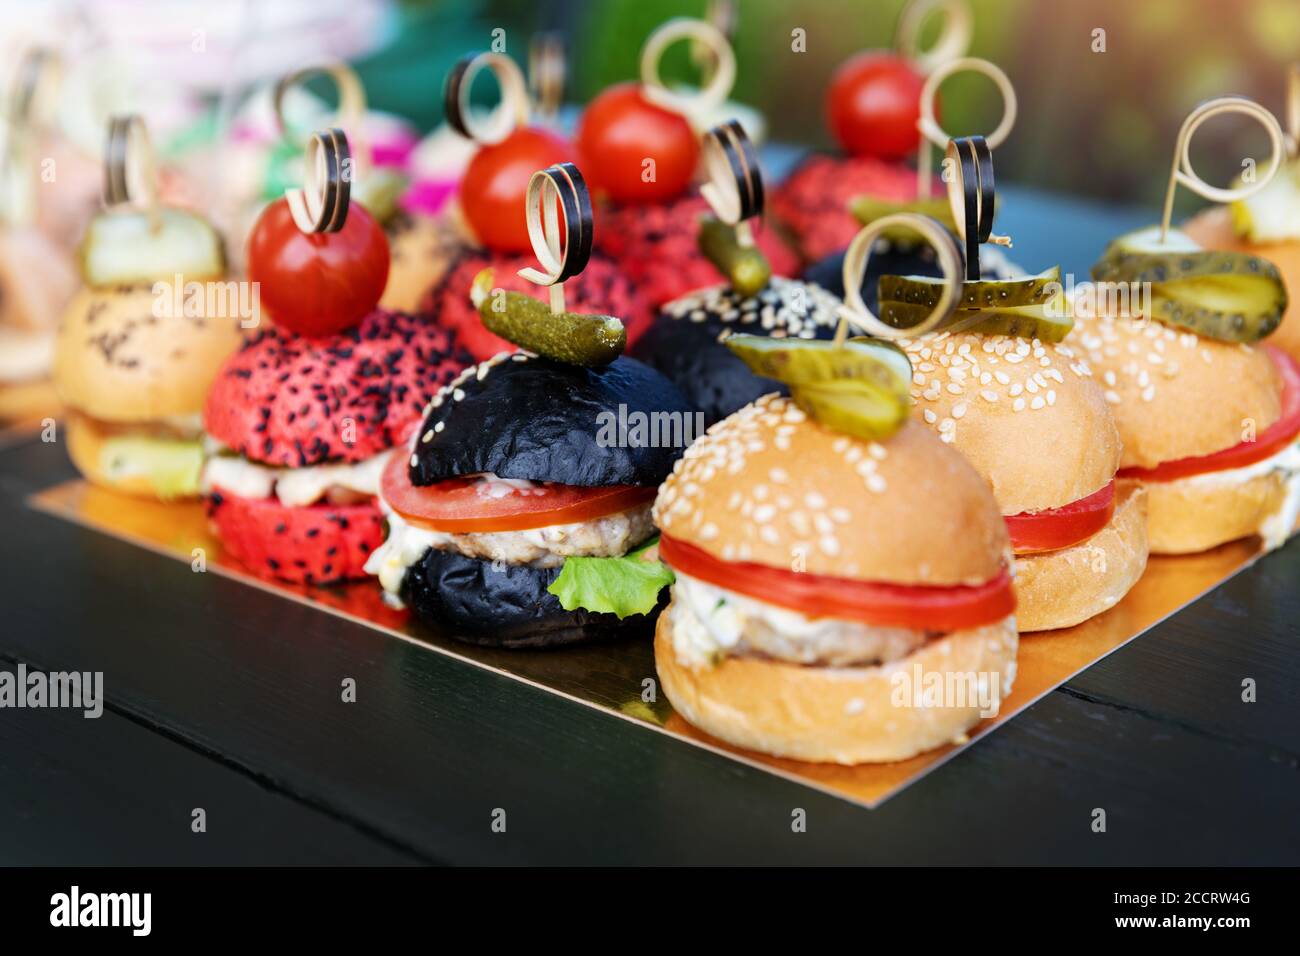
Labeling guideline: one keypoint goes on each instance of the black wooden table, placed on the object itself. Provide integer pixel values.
(228, 698)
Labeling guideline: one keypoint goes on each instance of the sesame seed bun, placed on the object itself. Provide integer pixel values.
(768, 485)
(1213, 230)
(844, 715)
(296, 401)
(1174, 394)
(118, 362)
(1026, 414)
(1062, 588)
(1186, 516)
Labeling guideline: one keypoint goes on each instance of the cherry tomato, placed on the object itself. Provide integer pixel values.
(1266, 444)
(460, 505)
(317, 283)
(918, 607)
(873, 106)
(620, 130)
(495, 185)
(1056, 528)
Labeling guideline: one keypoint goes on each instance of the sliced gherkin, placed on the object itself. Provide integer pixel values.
(867, 209)
(860, 387)
(976, 294)
(854, 408)
(744, 266)
(812, 361)
(590, 340)
(1048, 321)
(1229, 296)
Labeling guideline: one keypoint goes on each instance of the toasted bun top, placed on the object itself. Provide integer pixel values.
(521, 416)
(770, 486)
(296, 401)
(116, 361)
(1025, 413)
(1174, 394)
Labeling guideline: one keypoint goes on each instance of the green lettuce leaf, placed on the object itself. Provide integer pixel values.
(621, 586)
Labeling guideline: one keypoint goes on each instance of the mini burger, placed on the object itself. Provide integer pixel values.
(299, 430)
(1028, 415)
(995, 380)
(139, 345)
(818, 575)
(1208, 413)
(520, 514)
(1210, 429)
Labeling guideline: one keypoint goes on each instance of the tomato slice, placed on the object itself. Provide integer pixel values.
(1056, 528)
(459, 506)
(1266, 444)
(918, 607)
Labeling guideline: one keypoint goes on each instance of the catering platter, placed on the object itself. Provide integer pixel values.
(611, 677)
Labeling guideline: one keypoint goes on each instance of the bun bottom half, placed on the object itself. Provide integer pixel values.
(843, 715)
(85, 443)
(507, 606)
(1066, 587)
(1186, 516)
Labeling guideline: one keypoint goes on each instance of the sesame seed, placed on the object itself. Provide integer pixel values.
(959, 410)
(1018, 405)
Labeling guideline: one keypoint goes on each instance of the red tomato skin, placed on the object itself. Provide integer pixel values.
(452, 506)
(1266, 444)
(317, 283)
(495, 184)
(873, 105)
(1056, 528)
(880, 604)
(619, 131)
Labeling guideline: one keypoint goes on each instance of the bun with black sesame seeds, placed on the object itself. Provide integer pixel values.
(134, 384)
(519, 514)
(299, 430)
(1211, 430)
(686, 341)
(812, 568)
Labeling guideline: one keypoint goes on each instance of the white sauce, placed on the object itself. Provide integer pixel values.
(710, 622)
(1277, 528)
(295, 487)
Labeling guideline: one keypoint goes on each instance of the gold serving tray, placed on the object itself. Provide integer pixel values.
(609, 676)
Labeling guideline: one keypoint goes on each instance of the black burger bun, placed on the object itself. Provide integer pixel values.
(686, 341)
(506, 605)
(521, 416)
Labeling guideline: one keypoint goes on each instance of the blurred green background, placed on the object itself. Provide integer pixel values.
(1096, 124)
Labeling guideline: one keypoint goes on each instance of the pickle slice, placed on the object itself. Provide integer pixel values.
(128, 248)
(1048, 321)
(745, 267)
(1229, 296)
(852, 408)
(860, 388)
(1273, 213)
(810, 361)
(867, 209)
(978, 294)
(589, 340)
